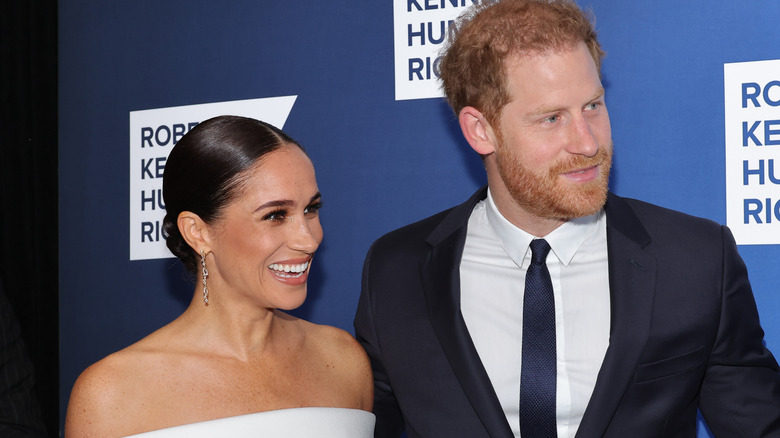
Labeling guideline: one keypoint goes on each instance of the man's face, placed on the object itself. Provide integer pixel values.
(554, 141)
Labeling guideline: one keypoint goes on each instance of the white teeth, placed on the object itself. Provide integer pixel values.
(295, 269)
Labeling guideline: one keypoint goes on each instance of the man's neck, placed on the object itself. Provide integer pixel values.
(521, 218)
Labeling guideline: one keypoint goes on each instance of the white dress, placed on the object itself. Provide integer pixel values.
(287, 423)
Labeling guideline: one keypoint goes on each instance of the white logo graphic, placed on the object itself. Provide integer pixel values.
(421, 29)
(752, 101)
(153, 133)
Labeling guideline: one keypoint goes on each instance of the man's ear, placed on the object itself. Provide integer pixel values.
(477, 130)
(195, 231)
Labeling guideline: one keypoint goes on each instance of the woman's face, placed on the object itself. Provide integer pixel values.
(262, 245)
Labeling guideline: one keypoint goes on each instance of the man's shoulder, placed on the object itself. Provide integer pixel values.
(413, 233)
(430, 229)
(645, 210)
(658, 220)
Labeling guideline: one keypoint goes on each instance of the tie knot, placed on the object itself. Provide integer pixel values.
(539, 250)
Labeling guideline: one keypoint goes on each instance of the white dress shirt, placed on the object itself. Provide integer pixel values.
(492, 274)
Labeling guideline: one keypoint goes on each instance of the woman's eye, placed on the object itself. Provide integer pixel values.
(313, 208)
(276, 215)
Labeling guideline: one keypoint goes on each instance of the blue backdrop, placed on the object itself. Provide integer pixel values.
(380, 163)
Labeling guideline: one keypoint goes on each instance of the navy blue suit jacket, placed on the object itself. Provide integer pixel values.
(684, 333)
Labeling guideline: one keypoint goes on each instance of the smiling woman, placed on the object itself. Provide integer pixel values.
(268, 230)
(243, 215)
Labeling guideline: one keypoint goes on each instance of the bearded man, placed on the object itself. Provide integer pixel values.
(546, 306)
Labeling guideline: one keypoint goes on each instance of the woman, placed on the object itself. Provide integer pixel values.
(242, 214)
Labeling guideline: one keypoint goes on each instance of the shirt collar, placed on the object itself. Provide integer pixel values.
(564, 241)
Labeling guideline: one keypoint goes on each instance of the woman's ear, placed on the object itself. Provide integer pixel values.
(195, 231)
(477, 130)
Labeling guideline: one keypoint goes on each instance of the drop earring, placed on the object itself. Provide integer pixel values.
(205, 276)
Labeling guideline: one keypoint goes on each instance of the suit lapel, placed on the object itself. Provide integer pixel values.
(440, 274)
(632, 283)
(632, 273)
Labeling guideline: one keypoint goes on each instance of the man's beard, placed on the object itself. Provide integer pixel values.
(544, 194)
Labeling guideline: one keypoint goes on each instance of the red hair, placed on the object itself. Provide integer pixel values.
(473, 67)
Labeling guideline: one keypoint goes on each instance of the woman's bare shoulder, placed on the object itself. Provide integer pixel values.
(339, 341)
(106, 392)
(346, 360)
(326, 340)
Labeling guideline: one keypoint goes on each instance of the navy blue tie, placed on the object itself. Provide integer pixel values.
(538, 369)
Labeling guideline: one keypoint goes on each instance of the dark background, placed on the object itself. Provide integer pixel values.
(28, 186)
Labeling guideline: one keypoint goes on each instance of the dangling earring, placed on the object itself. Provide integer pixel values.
(205, 276)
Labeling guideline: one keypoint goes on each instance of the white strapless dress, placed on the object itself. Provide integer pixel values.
(286, 423)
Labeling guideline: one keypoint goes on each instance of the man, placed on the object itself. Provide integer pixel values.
(636, 316)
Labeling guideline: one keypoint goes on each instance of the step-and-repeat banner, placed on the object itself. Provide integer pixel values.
(693, 91)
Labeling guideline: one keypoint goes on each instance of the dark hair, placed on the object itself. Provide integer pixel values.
(473, 65)
(205, 169)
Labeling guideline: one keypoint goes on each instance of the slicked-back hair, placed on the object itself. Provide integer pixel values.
(206, 168)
